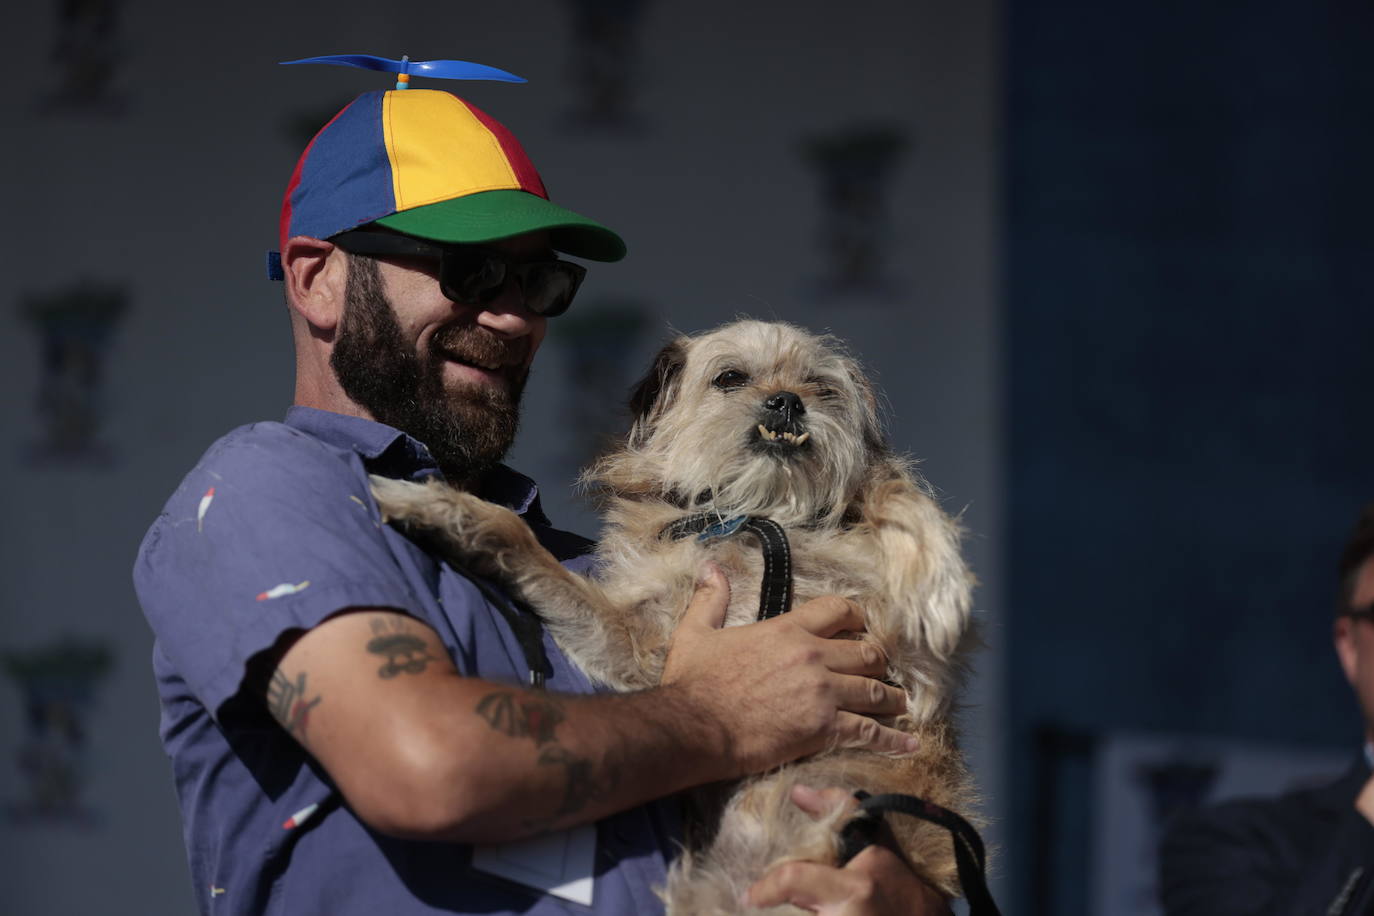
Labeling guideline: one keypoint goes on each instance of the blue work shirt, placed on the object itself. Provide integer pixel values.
(274, 531)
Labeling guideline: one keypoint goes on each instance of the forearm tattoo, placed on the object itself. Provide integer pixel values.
(287, 703)
(393, 639)
(521, 715)
(518, 714)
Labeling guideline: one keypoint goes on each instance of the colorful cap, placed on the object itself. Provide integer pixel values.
(427, 163)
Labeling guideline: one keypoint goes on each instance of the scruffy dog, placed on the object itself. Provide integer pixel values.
(754, 419)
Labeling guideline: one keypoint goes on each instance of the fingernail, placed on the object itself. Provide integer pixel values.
(911, 745)
(707, 572)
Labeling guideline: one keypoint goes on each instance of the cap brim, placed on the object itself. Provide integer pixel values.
(489, 216)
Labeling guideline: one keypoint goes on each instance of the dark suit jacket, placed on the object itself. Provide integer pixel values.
(1307, 852)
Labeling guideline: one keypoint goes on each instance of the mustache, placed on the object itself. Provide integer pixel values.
(475, 344)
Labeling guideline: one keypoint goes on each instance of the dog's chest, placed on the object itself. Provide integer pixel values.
(815, 563)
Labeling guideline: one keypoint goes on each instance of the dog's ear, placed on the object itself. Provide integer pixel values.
(656, 389)
(869, 416)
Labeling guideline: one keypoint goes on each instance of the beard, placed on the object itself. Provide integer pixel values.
(467, 431)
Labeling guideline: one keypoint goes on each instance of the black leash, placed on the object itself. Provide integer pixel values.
(862, 831)
(775, 597)
(526, 626)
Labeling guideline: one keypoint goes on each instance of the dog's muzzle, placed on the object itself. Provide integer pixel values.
(781, 423)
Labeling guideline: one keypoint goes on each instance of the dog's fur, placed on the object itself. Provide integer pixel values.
(861, 524)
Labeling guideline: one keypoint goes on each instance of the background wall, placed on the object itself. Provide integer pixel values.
(1187, 241)
(783, 161)
(1106, 260)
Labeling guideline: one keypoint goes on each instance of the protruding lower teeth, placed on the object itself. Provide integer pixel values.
(790, 438)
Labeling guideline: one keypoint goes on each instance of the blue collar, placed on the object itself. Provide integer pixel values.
(386, 450)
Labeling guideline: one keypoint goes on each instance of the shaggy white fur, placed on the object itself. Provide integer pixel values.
(861, 524)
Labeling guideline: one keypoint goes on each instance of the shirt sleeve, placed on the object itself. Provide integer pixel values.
(272, 531)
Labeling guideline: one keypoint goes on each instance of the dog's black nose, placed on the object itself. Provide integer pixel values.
(785, 403)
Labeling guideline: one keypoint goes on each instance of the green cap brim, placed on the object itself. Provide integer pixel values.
(489, 216)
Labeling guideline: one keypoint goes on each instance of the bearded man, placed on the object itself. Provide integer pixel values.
(356, 726)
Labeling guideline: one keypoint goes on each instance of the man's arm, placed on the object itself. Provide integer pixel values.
(420, 751)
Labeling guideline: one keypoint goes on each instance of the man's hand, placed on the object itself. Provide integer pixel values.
(876, 882)
(783, 688)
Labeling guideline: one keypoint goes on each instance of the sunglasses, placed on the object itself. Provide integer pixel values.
(1360, 613)
(473, 275)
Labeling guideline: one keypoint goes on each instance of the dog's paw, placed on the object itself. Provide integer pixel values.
(402, 500)
(469, 521)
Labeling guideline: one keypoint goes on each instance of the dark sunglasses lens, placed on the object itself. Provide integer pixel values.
(476, 278)
(471, 277)
(549, 287)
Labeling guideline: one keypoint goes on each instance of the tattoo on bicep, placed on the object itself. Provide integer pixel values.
(521, 716)
(402, 649)
(287, 703)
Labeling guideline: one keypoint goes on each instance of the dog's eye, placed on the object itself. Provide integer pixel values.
(730, 378)
(820, 387)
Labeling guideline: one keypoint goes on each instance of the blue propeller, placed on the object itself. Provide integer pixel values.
(405, 67)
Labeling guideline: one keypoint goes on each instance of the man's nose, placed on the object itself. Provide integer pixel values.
(507, 314)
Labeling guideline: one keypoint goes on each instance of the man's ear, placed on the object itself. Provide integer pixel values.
(1343, 635)
(316, 274)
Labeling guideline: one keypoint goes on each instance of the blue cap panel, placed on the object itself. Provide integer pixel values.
(346, 178)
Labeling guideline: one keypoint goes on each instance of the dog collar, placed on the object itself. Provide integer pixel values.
(775, 597)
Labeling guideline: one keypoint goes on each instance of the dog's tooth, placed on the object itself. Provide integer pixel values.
(802, 438)
(763, 431)
(788, 436)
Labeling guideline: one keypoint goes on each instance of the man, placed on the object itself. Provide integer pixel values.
(1306, 852)
(344, 712)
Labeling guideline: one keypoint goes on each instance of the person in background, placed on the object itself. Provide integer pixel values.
(1309, 851)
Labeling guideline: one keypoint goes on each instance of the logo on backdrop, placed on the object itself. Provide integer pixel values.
(57, 685)
(855, 166)
(604, 63)
(75, 326)
(86, 59)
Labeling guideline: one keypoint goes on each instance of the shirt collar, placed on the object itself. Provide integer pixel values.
(389, 451)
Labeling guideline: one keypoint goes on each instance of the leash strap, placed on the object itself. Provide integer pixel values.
(775, 595)
(969, 855)
(526, 626)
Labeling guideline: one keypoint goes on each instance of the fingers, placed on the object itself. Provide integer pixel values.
(828, 615)
(821, 802)
(808, 885)
(853, 656)
(706, 611)
(865, 695)
(876, 883)
(854, 730)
